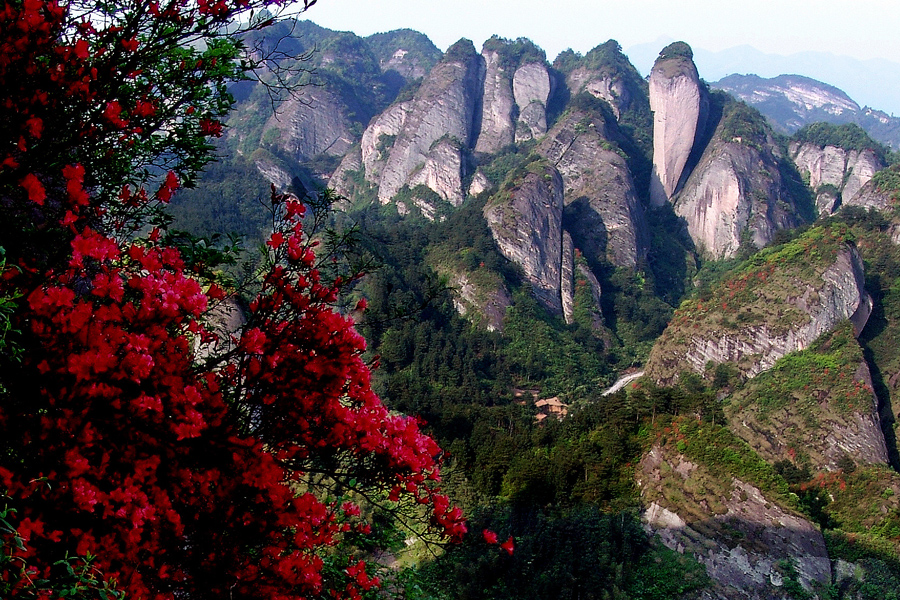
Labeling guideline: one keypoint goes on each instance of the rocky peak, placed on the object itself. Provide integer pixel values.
(780, 302)
(605, 73)
(679, 103)
(444, 106)
(525, 219)
(737, 191)
(603, 212)
(835, 174)
(532, 86)
(498, 105)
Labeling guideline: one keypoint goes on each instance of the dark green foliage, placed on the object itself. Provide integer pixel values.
(230, 197)
(888, 181)
(515, 53)
(462, 50)
(676, 50)
(578, 554)
(71, 577)
(743, 123)
(418, 46)
(848, 136)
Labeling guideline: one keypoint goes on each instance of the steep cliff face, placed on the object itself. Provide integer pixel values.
(444, 106)
(606, 73)
(379, 137)
(532, 87)
(740, 534)
(498, 106)
(680, 105)
(603, 213)
(832, 168)
(526, 223)
(826, 389)
(779, 302)
(736, 190)
(317, 124)
(444, 170)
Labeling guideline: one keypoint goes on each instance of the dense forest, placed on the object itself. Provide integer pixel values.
(564, 484)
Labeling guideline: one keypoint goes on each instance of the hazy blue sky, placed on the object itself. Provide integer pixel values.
(858, 28)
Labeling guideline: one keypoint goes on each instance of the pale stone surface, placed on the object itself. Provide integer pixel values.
(567, 281)
(443, 172)
(847, 170)
(839, 296)
(315, 124)
(379, 137)
(740, 546)
(498, 128)
(734, 190)
(531, 89)
(678, 103)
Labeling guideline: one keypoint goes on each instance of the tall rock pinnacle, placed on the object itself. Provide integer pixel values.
(679, 104)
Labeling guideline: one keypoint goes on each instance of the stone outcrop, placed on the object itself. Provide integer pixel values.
(680, 105)
(809, 413)
(526, 223)
(485, 305)
(443, 171)
(736, 190)
(832, 168)
(316, 124)
(379, 137)
(340, 181)
(532, 87)
(790, 312)
(612, 89)
(444, 106)
(603, 212)
(739, 535)
(870, 196)
(498, 128)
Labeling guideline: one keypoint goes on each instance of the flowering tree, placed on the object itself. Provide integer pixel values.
(185, 472)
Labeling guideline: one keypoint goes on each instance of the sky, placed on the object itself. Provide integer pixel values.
(862, 29)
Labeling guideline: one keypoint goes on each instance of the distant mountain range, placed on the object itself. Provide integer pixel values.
(874, 83)
(792, 101)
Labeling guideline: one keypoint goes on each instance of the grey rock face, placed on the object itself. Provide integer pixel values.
(742, 541)
(679, 106)
(498, 128)
(443, 171)
(316, 125)
(605, 87)
(774, 434)
(405, 64)
(443, 106)
(567, 278)
(340, 179)
(845, 170)
(869, 196)
(531, 89)
(379, 138)
(526, 223)
(734, 190)
(841, 295)
(485, 306)
(603, 213)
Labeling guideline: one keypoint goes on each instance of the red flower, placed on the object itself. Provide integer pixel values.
(489, 536)
(211, 127)
(35, 189)
(508, 546)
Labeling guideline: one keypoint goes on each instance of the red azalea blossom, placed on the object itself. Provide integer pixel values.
(489, 536)
(508, 546)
